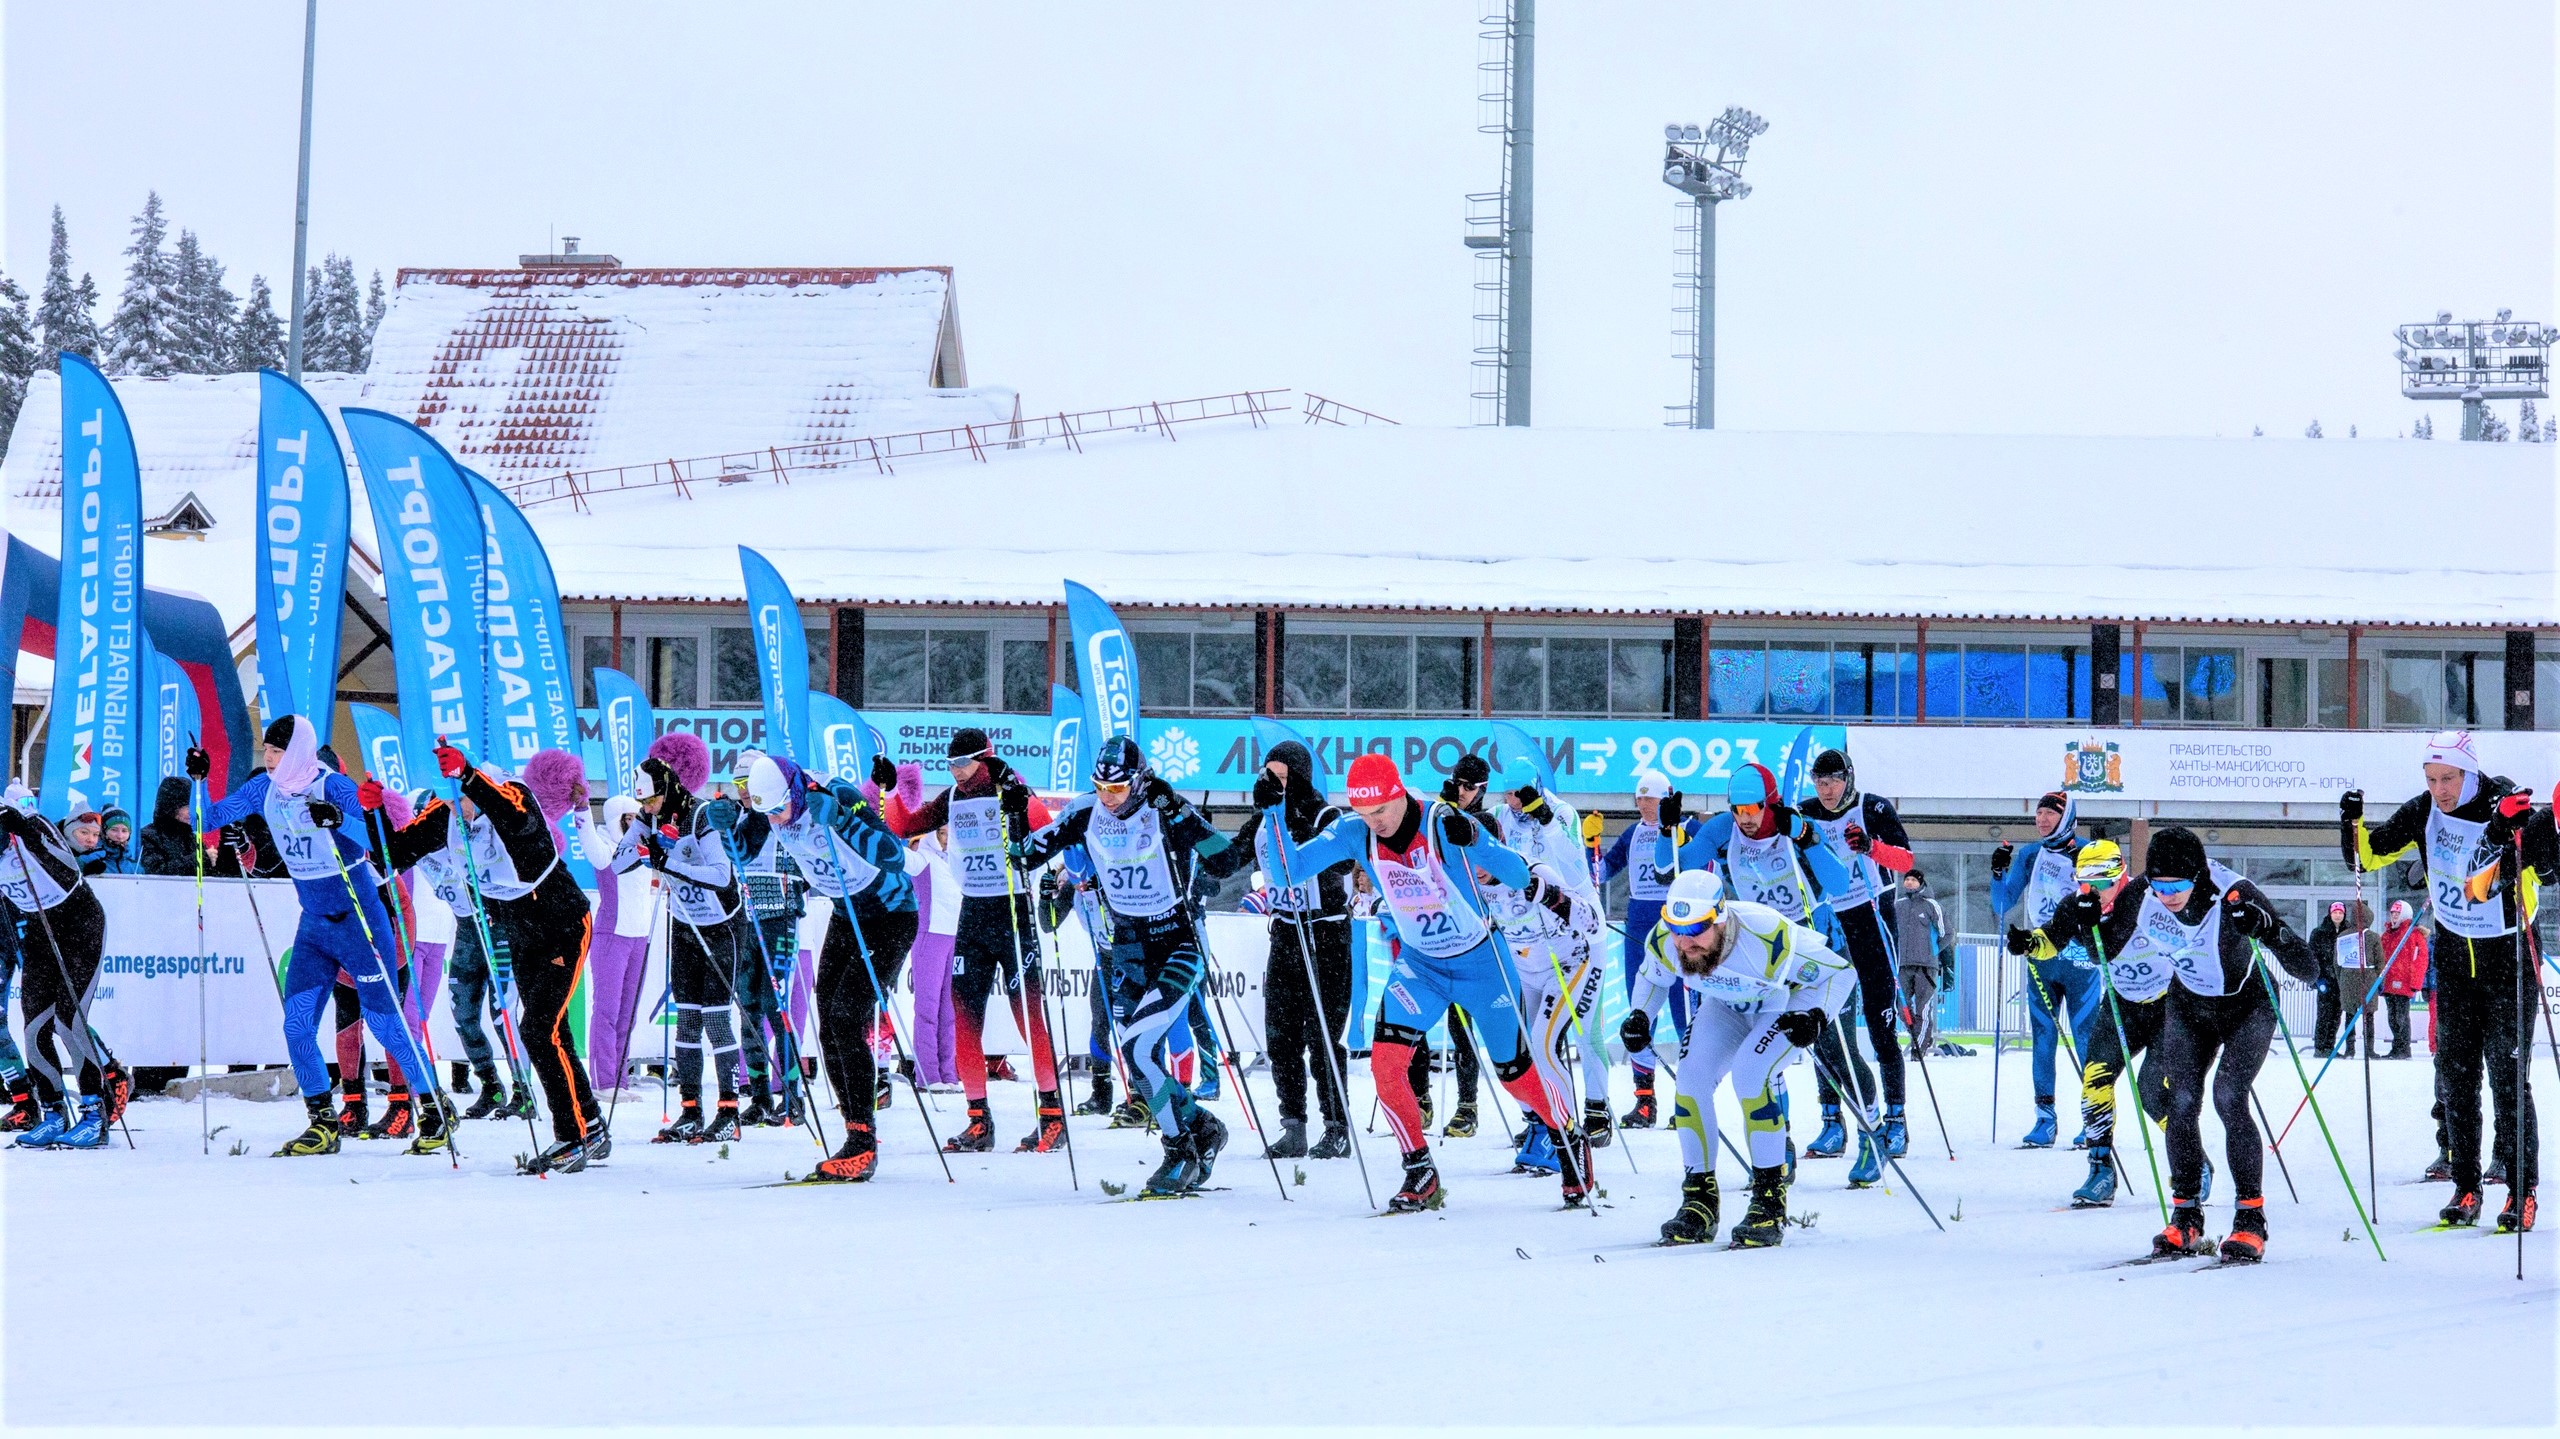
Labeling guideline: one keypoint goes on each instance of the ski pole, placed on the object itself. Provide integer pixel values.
(862, 946)
(1911, 1021)
(1013, 921)
(1999, 1012)
(501, 965)
(2281, 1167)
(1564, 1136)
(1556, 967)
(451, 1115)
(2362, 917)
(2339, 1045)
(1208, 976)
(204, 1043)
(2124, 1051)
(2259, 957)
(1867, 1132)
(87, 1043)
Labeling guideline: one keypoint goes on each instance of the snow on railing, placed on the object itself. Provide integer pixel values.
(883, 452)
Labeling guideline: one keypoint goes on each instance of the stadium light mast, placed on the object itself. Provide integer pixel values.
(2475, 362)
(1501, 222)
(1703, 163)
(302, 195)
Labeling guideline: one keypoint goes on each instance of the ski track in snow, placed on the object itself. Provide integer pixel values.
(658, 1289)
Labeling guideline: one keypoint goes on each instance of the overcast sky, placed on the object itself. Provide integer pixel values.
(2168, 218)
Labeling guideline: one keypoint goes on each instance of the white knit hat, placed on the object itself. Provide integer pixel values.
(2453, 747)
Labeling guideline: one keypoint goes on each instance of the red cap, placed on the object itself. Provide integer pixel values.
(1373, 780)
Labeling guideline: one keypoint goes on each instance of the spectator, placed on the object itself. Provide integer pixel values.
(169, 841)
(2404, 949)
(1921, 947)
(115, 836)
(86, 846)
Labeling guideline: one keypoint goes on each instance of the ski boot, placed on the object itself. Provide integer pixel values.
(1099, 1102)
(1897, 1133)
(1422, 1101)
(2099, 1189)
(90, 1131)
(2462, 1213)
(1208, 1136)
(1292, 1143)
(115, 1084)
(980, 1135)
(855, 1160)
(1764, 1224)
(2078, 1141)
(1573, 1170)
(1695, 1222)
(688, 1126)
(2185, 1234)
(1001, 1068)
(569, 1156)
(1870, 1165)
(1596, 1129)
(2440, 1172)
(434, 1125)
(320, 1138)
(599, 1142)
(1791, 1161)
(2518, 1213)
(49, 1128)
(883, 1094)
(1173, 1177)
(759, 1113)
(2042, 1136)
(353, 1114)
(1208, 1090)
(1131, 1115)
(1461, 1125)
(492, 1097)
(1421, 1185)
(23, 1113)
(1049, 1126)
(1643, 1116)
(1833, 1139)
(725, 1124)
(461, 1078)
(398, 1120)
(1336, 1143)
(2247, 1241)
(1537, 1152)
(519, 1105)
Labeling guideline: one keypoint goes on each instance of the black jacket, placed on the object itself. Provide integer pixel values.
(169, 841)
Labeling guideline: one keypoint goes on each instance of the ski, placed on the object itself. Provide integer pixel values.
(2151, 1259)
(2231, 1264)
(1144, 1198)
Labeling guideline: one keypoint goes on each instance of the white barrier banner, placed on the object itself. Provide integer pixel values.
(153, 990)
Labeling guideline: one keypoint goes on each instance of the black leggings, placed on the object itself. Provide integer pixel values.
(2235, 1027)
(1300, 1025)
(702, 970)
(1462, 1049)
(55, 986)
(2107, 1058)
(2476, 985)
(848, 1001)
(546, 938)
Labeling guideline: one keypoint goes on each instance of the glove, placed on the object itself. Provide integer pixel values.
(1857, 838)
(1456, 829)
(2351, 806)
(1268, 790)
(1049, 888)
(2022, 942)
(1558, 903)
(1801, 1026)
(2252, 919)
(1532, 803)
(450, 762)
(1015, 798)
(199, 764)
(1669, 810)
(1448, 791)
(1591, 827)
(653, 843)
(2001, 858)
(1161, 795)
(883, 773)
(369, 794)
(326, 815)
(2075, 916)
(2508, 815)
(1636, 1031)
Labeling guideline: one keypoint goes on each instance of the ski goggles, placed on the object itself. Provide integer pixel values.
(1109, 791)
(1693, 928)
(2173, 892)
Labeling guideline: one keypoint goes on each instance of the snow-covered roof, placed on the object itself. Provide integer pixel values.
(524, 373)
(1954, 527)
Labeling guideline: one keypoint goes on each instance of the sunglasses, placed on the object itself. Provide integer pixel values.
(2172, 889)
(1692, 929)
(1107, 788)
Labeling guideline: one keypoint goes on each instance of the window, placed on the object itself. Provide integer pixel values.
(956, 665)
(1942, 677)
(1381, 673)
(1026, 676)
(2057, 682)
(2546, 691)
(1737, 680)
(1179, 670)
(893, 674)
(1164, 670)
(733, 668)
(1577, 677)
(927, 667)
(2438, 689)
(1574, 675)
(2335, 690)
(1376, 672)
(1640, 677)
(1799, 680)
(1519, 676)
(1995, 682)
(1315, 673)
(675, 672)
(2284, 693)
(1444, 674)
(2212, 685)
(595, 652)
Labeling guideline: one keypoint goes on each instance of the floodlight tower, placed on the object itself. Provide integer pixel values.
(1704, 163)
(2475, 362)
(1500, 222)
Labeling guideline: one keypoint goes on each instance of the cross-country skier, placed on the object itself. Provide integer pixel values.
(1865, 838)
(1310, 931)
(468, 983)
(1765, 852)
(61, 931)
(988, 806)
(1633, 854)
(856, 865)
(303, 805)
(2068, 980)
(677, 840)
(769, 935)
(2463, 822)
(1141, 838)
(1765, 987)
(502, 834)
(1555, 953)
(1425, 861)
(2129, 1020)
(2206, 925)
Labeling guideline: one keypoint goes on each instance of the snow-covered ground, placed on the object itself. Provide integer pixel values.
(162, 1287)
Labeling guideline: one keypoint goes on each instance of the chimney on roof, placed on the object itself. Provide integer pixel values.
(568, 259)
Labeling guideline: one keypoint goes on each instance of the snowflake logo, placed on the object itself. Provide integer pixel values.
(1174, 754)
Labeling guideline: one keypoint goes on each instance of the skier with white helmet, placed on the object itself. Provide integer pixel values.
(1765, 986)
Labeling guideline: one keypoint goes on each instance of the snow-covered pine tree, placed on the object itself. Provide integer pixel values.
(2551, 429)
(257, 336)
(2311, 431)
(2257, 432)
(2492, 428)
(374, 306)
(2528, 426)
(333, 338)
(18, 354)
(2425, 429)
(204, 309)
(143, 339)
(66, 315)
